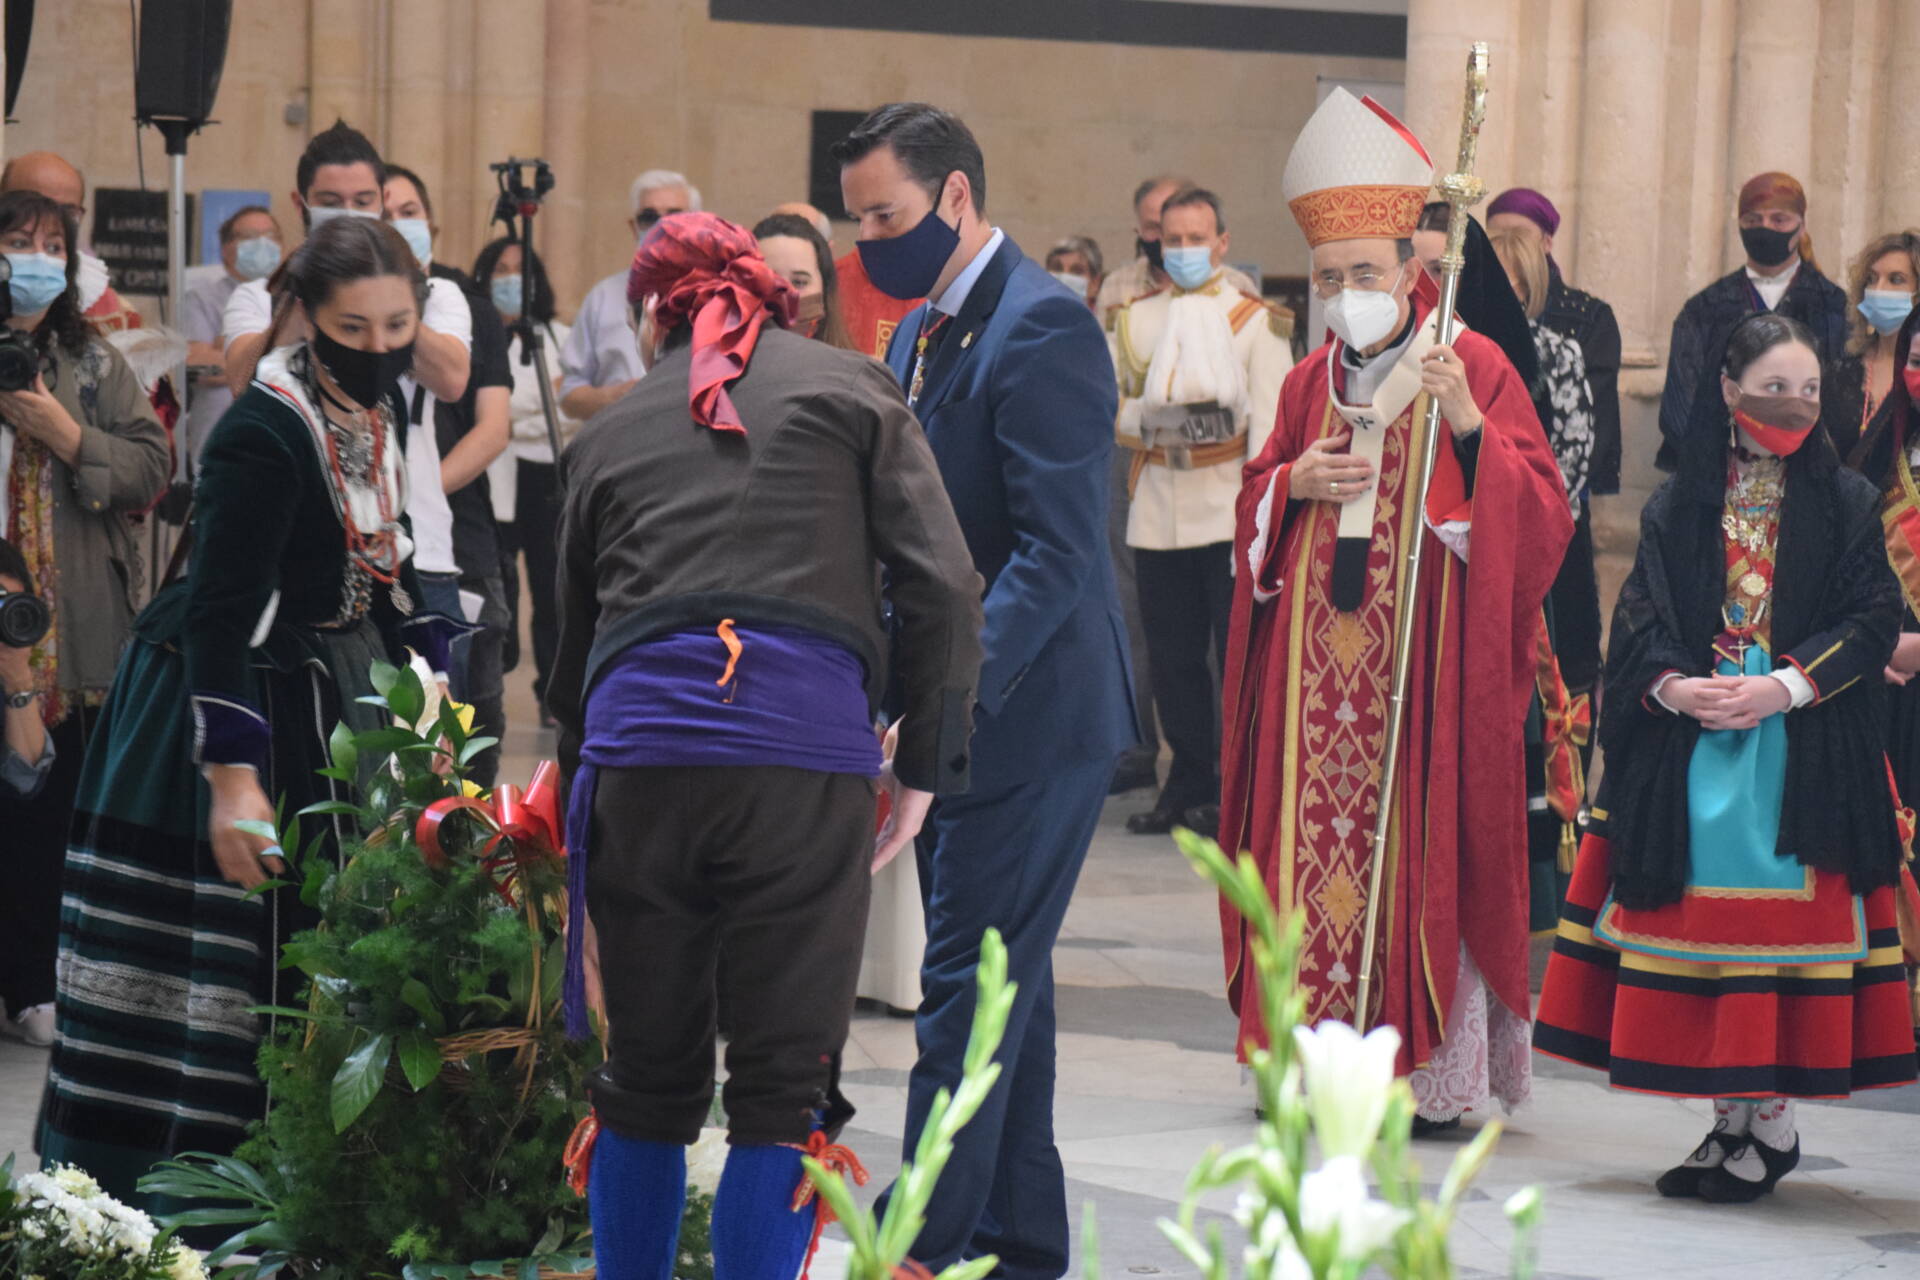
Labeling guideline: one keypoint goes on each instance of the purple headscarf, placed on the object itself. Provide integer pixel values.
(1529, 204)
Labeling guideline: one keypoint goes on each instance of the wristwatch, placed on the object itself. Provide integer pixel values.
(23, 699)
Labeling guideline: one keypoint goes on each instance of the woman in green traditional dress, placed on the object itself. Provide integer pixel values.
(222, 706)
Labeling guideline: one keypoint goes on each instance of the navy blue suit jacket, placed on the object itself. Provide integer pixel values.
(1019, 404)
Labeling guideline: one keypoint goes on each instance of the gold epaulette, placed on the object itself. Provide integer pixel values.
(1279, 318)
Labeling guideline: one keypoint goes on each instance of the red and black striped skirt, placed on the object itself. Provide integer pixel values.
(1697, 1030)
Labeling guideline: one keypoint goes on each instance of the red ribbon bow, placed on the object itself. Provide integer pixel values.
(528, 822)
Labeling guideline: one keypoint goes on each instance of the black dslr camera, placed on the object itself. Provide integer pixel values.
(19, 358)
(24, 618)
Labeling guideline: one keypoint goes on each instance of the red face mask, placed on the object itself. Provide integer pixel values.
(1778, 424)
(1911, 376)
(811, 313)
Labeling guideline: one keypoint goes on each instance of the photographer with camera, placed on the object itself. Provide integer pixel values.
(79, 449)
(26, 751)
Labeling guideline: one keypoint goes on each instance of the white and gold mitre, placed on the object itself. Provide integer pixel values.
(1355, 173)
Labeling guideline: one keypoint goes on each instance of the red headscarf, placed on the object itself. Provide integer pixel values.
(1776, 190)
(707, 271)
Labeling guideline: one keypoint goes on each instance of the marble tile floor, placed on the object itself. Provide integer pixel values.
(1147, 1082)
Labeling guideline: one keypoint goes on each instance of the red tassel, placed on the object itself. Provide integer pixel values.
(837, 1159)
(577, 1157)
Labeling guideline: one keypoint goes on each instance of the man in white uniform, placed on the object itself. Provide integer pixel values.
(1200, 363)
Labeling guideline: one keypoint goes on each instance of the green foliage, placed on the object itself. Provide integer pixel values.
(696, 1238)
(380, 1159)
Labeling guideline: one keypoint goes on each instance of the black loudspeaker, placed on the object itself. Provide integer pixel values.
(823, 175)
(183, 45)
(19, 33)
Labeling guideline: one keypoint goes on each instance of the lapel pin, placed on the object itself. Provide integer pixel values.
(966, 341)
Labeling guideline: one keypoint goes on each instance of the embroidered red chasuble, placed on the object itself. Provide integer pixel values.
(1307, 693)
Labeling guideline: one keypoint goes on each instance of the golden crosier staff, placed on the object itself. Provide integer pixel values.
(1462, 190)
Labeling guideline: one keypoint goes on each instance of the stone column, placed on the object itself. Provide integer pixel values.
(509, 101)
(417, 97)
(1547, 123)
(1619, 235)
(1618, 240)
(1439, 33)
(339, 76)
(1775, 60)
(561, 236)
(1897, 175)
(455, 203)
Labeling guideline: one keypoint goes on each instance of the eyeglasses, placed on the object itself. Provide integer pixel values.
(1778, 219)
(1328, 284)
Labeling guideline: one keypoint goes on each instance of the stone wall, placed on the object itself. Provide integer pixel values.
(1639, 117)
(606, 88)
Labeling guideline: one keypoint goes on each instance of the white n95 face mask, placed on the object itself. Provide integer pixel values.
(1362, 317)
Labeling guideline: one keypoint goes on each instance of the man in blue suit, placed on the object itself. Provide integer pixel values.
(1010, 376)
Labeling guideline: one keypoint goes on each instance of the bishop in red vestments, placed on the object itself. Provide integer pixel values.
(1322, 527)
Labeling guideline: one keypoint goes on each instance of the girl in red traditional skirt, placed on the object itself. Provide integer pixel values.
(1731, 930)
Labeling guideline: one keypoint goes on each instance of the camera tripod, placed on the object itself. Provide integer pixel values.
(518, 202)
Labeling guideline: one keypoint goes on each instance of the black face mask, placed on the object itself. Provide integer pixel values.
(1150, 250)
(1766, 246)
(364, 376)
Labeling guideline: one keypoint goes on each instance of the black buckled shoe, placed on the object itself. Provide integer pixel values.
(1154, 822)
(1682, 1182)
(1203, 819)
(1721, 1187)
(1133, 775)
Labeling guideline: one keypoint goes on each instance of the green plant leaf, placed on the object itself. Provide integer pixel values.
(425, 788)
(323, 808)
(252, 827)
(381, 676)
(449, 724)
(386, 741)
(406, 699)
(359, 1079)
(475, 746)
(416, 996)
(288, 1011)
(315, 882)
(973, 1269)
(340, 749)
(311, 955)
(419, 1057)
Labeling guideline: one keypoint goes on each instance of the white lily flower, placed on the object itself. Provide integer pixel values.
(1335, 1198)
(1348, 1079)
